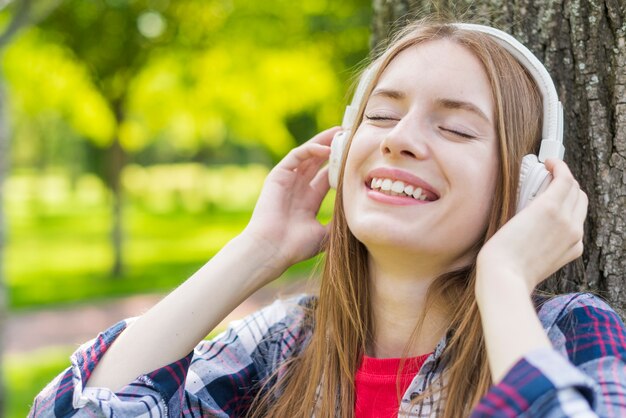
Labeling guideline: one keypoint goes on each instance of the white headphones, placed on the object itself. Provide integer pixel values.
(534, 178)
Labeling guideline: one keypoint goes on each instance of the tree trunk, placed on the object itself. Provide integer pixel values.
(116, 159)
(582, 43)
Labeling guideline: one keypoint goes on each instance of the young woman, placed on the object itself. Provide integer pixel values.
(427, 304)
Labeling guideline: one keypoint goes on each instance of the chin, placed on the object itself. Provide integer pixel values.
(383, 236)
(394, 239)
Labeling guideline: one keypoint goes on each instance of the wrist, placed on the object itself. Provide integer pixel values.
(262, 253)
(510, 324)
(497, 282)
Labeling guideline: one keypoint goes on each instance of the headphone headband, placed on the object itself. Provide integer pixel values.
(552, 130)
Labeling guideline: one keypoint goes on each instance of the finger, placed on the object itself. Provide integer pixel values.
(576, 230)
(558, 168)
(314, 192)
(319, 145)
(326, 136)
(575, 251)
(320, 184)
(580, 211)
(307, 172)
(569, 254)
(570, 200)
(562, 179)
(565, 182)
(297, 156)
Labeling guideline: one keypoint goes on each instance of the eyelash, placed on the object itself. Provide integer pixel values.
(453, 132)
(457, 133)
(378, 118)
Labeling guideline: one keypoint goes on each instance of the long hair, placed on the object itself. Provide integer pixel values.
(320, 380)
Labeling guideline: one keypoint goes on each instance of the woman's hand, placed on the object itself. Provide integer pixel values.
(540, 239)
(284, 218)
(535, 243)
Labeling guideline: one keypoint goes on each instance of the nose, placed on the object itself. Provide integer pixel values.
(406, 139)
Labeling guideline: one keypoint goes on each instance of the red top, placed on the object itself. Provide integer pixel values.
(375, 385)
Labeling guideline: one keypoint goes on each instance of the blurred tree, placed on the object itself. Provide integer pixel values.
(113, 38)
(49, 129)
(161, 81)
(583, 45)
(264, 73)
(18, 15)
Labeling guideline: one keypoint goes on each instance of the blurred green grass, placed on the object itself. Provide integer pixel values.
(58, 248)
(26, 374)
(69, 258)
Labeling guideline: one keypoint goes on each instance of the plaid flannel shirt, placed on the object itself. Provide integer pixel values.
(583, 375)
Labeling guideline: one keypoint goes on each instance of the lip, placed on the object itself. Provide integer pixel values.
(404, 176)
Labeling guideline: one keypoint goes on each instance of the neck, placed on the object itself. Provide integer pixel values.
(399, 285)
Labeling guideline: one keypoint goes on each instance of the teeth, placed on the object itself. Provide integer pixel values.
(397, 188)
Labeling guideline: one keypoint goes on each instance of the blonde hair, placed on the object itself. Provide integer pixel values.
(320, 379)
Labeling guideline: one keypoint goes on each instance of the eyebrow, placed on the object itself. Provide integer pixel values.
(390, 93)
(457, 104)
(445, 103)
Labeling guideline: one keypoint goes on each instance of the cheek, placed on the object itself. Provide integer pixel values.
(351, 185)
(484, 193)
(354, 172)
(482, 166)
(360, 150)
(477, 176)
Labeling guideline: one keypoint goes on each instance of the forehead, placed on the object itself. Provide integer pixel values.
(439, 68)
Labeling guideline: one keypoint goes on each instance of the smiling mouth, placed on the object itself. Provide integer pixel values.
(399, 188)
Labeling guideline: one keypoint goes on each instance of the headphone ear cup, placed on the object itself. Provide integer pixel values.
(337, 148)
(534, 178)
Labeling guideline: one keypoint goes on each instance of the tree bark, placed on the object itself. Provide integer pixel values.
(582, 43)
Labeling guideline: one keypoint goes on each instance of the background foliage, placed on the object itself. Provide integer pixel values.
(186, 105)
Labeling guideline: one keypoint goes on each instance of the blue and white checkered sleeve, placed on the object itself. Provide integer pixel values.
(583, 376)
(150, 394)
(226, 372)
(217, 379)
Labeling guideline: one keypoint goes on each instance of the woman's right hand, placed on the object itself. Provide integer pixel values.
(284, 219)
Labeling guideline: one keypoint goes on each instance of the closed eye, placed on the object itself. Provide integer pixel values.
(458, 133)
(377, 117)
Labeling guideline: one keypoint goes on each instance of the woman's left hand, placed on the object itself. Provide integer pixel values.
(535, 243)
(541, 238)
